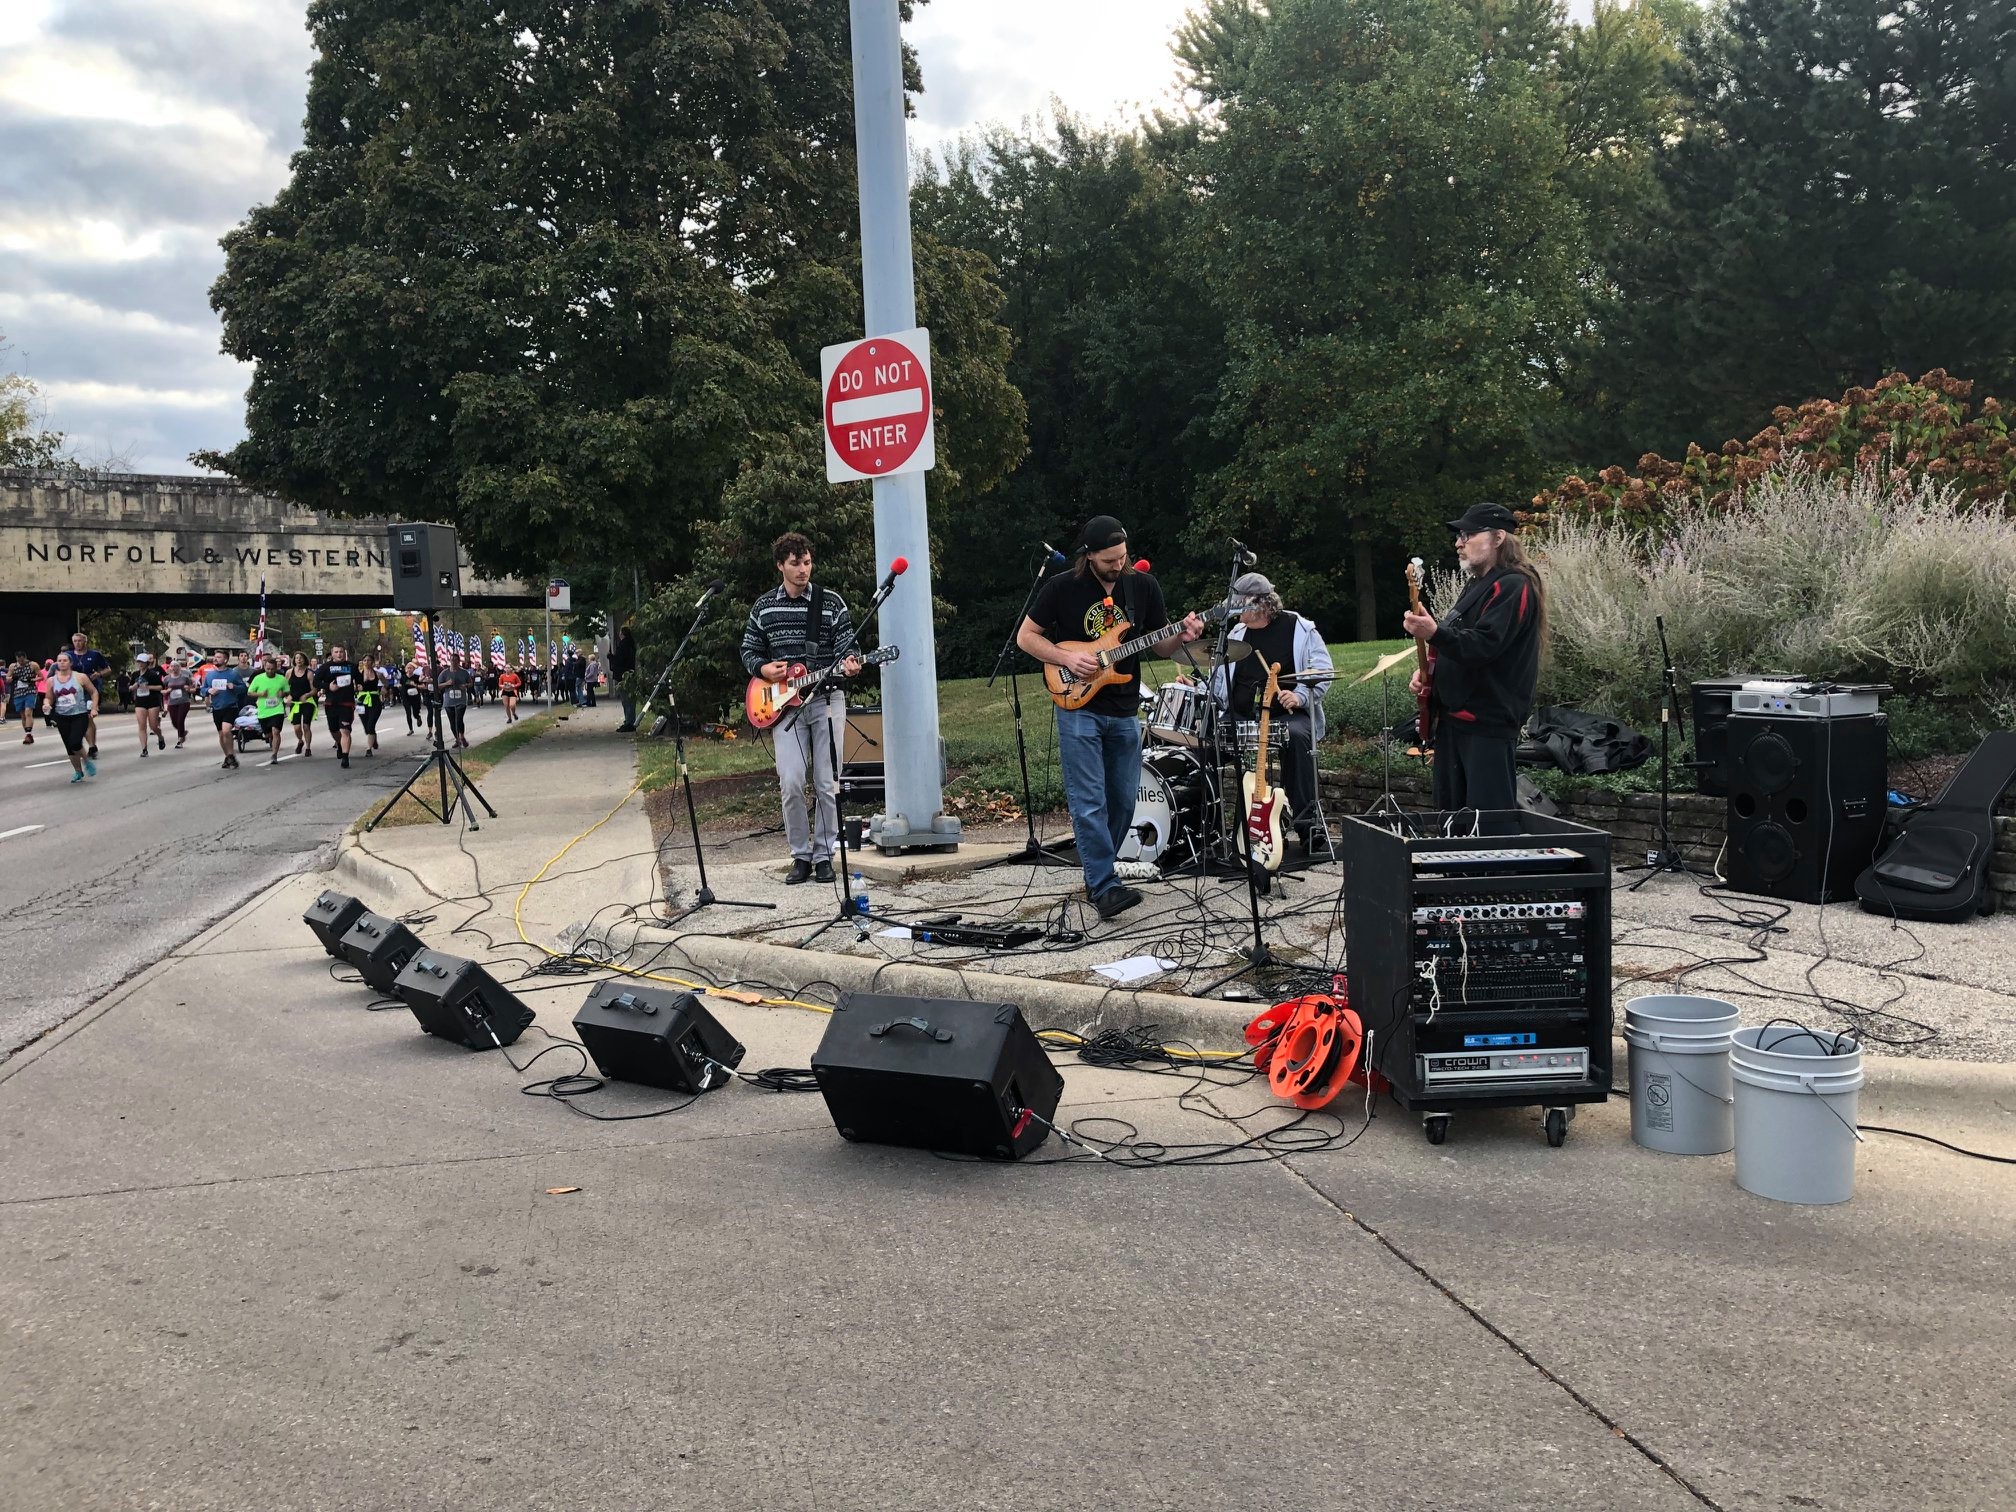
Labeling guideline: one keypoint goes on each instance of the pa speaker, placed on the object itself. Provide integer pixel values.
(379, 948)
(936, 1074)
(426, 571)
(331, 916)
(1806, 803)
(458, 1000)
(656, 1038)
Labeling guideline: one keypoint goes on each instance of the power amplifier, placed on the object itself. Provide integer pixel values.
(1504, 1067)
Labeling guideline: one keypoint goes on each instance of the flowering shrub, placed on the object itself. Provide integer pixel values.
(1905, 433)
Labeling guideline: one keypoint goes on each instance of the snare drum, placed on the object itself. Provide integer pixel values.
(1246, 735)
(1172, 809)
(1182, 715)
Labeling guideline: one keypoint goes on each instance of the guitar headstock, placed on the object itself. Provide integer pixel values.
(1417, 580)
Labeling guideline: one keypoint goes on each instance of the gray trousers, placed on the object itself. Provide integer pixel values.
(802, 748)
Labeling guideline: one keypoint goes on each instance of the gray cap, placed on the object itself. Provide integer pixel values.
(1251, 585)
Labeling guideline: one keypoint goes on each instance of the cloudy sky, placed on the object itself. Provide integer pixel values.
(133, 133)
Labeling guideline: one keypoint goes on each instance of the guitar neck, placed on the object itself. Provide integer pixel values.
(1143, 642)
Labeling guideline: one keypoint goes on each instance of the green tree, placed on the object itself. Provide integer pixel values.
(1387, 236)
(534, 268)
(23, 441)
(1839, 201)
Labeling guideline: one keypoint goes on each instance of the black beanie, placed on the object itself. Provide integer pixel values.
(1100, 533)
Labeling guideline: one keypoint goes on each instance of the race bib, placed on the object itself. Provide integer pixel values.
(454, 698)
(178, 695)
(340, 682)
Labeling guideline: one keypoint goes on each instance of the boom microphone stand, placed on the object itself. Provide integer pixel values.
(850, 908)
(1257, 954)
(705, 895)
(440, 760)
(1034, 852)
(1670, 859)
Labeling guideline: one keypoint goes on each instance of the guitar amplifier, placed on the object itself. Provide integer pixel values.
(458, 1000)
(379, 948)
(936, 1074)
(331, 916)
(656, 1038)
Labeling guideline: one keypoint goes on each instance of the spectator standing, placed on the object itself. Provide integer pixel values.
(622, 662)
(72, 701)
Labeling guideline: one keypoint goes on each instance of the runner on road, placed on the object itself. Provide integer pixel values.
(72, 701)
(224, 690)
(22, 675)
(269, 700)
(301, 699)
(178, 685)
(409, 695)
(454, 685)
(337, 682)
(370, 699)
(91, 664)
(507, 688)
(148, 684)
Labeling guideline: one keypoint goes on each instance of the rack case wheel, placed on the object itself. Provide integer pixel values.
(1435, 1126)
(1557, 1127)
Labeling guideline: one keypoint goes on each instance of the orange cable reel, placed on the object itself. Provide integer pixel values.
(1316, 1050)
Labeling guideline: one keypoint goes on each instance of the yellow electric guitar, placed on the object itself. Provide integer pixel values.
(1263, 803)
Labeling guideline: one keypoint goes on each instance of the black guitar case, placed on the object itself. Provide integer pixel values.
(1937, 868)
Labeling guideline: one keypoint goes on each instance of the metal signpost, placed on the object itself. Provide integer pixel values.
(558, 596)
(913, 795)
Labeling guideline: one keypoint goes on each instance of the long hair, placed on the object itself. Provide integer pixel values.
(1512, 557)
(1081, 567)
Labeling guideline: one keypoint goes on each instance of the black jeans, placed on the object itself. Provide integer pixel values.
(1473, 771)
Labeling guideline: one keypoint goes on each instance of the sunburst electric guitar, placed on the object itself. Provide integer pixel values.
(1424, 713)
(1263, 803)
(1068, 692)
(765, 702)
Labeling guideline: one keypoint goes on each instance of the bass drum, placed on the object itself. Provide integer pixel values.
(1172, 809)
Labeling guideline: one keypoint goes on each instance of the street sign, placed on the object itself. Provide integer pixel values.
(878, 407)
(559, 597)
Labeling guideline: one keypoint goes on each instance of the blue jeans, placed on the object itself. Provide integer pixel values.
(1101, 757)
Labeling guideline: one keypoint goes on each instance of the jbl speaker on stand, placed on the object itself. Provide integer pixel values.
(1807, 803)
(936, 1074)
(656, 1038)
(458, 1000)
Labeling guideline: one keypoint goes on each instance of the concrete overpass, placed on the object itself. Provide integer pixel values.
(132, 540)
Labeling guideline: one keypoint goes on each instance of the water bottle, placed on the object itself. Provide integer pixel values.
(860, 896)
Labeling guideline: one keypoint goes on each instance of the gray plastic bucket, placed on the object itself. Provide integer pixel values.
(1677, 1046)
(1795, 1113)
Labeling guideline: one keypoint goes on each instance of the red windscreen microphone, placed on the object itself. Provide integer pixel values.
(1142, 565)
(900, 566)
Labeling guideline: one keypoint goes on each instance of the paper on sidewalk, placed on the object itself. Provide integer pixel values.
(1135, 969)
(894, 932)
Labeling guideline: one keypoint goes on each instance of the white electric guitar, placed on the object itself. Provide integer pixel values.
(1263, 803)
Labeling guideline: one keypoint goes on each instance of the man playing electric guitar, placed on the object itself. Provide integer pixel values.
(796, 622)
(1487, 659)
(1099, 745)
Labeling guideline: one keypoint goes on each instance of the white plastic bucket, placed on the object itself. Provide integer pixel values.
(1677, 1048)
(1796, 1097)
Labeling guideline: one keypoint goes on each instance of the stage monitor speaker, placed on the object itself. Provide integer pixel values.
(458, 1000)
(656, 1038)
(1806, 803)
(936, 1074)
(426, 570)
(379, 948)
(331, 916)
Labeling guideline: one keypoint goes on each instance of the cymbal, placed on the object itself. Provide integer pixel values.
(1197, 656)
(1386, 664)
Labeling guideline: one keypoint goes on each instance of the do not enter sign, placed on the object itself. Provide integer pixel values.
(878, 407)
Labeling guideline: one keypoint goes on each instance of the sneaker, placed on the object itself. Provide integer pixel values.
(90, 766)
(1117, 899)
(346, 759)
(76, 776)
(272, 761)
(178, 742)
(801, 871)
(822, 871)
(143, 750)
(27, 740)
(160, 740)
(91, 750)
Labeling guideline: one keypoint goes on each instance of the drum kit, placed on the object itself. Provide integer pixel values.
(1180, 814)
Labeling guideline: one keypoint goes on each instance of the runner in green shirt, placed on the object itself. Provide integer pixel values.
(269, 701)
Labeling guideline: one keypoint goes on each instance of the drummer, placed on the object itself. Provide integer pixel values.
(1286, 640)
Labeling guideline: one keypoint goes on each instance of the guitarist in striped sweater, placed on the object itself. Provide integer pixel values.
(1099, 744)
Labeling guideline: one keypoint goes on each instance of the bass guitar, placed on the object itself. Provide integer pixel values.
(1069, 692)
(765, 702)
(1263, 803)
(1424, 714)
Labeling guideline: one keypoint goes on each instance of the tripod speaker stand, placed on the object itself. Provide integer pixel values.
(456, 786)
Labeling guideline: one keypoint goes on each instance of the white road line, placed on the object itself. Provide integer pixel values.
(34, 764)
(26, 829)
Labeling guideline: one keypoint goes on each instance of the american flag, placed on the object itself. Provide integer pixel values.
(553, 653)
(440, 645)
(497, 658)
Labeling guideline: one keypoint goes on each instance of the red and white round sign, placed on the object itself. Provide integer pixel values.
(878, 407)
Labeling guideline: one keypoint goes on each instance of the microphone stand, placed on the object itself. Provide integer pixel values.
(850, 908)
(1034, 852)
(1257, 954)
(1670, 859)
(706, 894)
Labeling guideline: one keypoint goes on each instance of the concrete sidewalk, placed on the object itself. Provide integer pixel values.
(262, 1249)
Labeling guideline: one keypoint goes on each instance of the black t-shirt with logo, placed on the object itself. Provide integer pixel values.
(338, 684)
(1081, 608)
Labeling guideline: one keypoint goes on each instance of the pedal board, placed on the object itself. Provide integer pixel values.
(981, 936)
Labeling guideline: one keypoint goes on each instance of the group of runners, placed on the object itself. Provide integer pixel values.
(249, 699)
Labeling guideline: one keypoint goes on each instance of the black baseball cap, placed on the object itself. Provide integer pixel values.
(1484, 517)
(1101, 532)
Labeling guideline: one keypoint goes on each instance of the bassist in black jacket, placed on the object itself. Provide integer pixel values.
(1487, 658)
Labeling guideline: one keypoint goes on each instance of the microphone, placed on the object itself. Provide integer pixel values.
(899, 566)
(1055, 554)
(712, 588)
(1245, 553)
(1141, 565)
